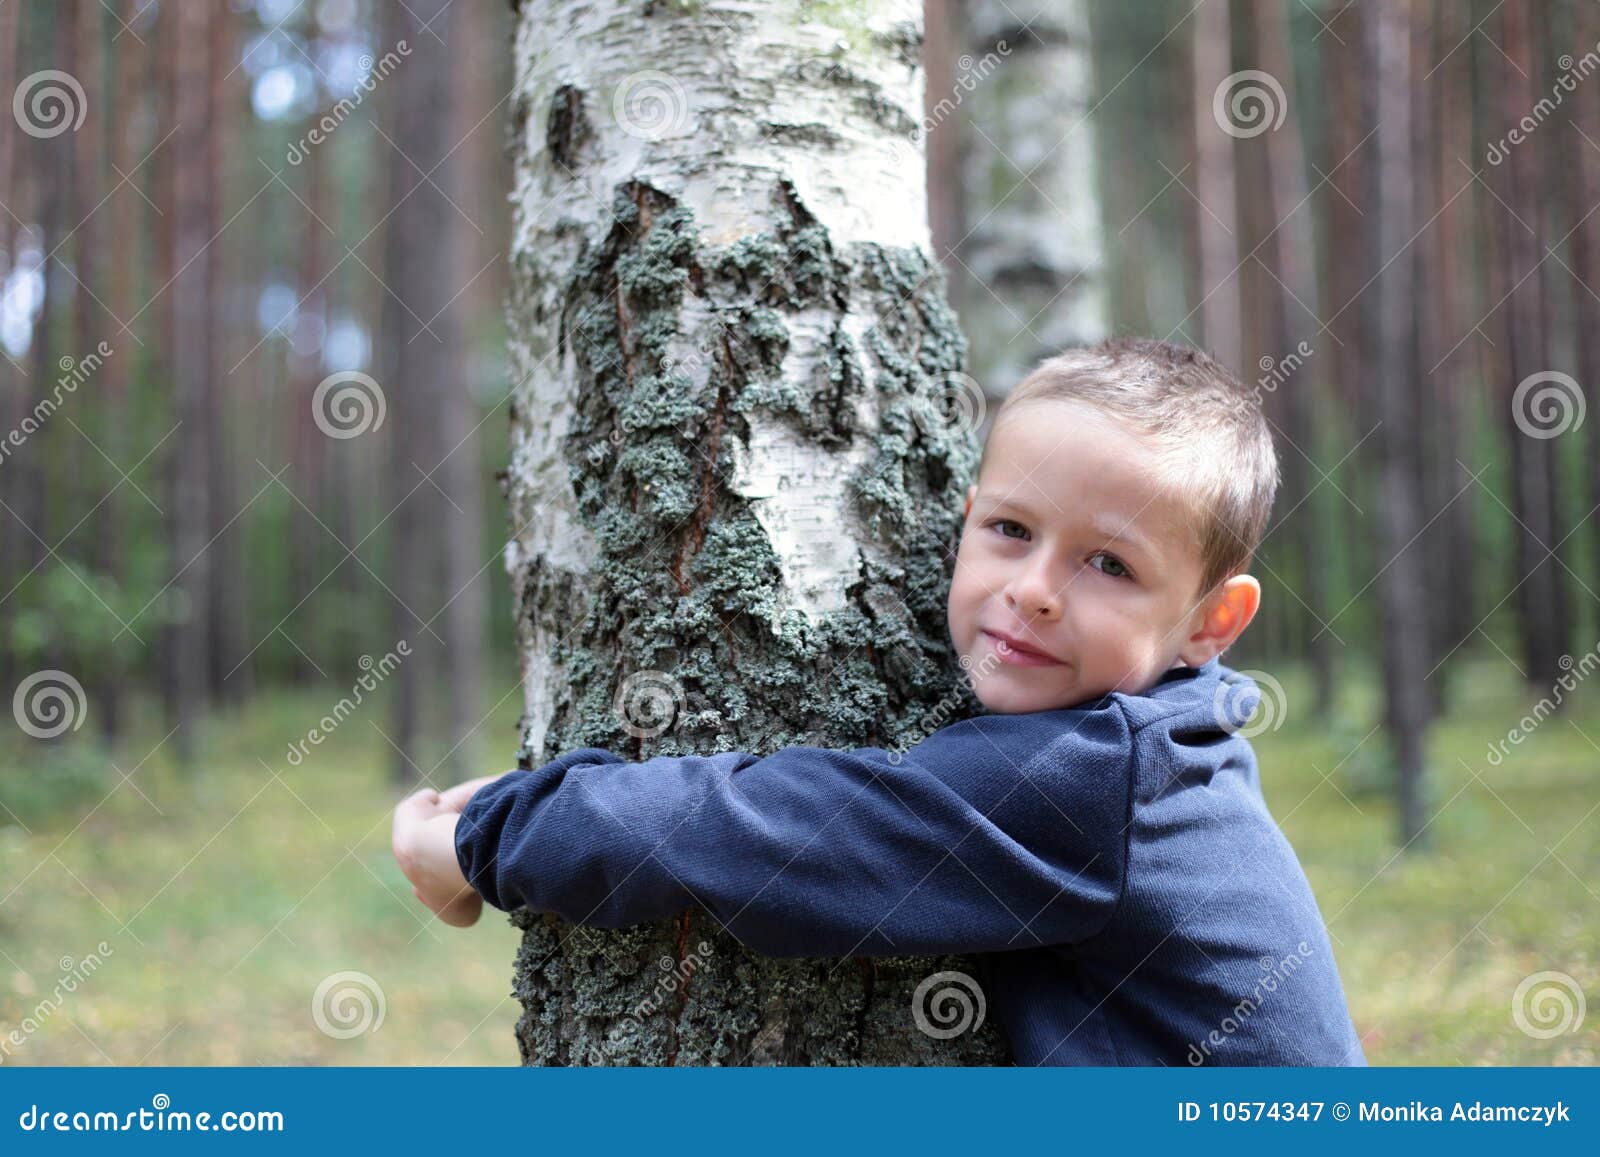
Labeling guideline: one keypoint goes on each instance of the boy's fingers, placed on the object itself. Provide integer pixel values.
(463, 911)
(409, 814)
(420, 804)
(456, 798)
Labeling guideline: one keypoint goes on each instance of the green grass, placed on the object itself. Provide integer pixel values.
(225, 911)
(1432, 943)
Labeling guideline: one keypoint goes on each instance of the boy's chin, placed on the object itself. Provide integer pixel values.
(1011, 700)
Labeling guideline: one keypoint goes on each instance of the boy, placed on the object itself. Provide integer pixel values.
(1100, 838)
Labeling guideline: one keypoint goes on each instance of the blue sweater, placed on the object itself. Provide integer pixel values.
(1114, 864)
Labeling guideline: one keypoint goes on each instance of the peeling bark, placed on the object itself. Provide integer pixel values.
(728, 471)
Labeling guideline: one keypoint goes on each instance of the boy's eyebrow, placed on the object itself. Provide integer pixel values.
(1116, 530)
(1003, 500)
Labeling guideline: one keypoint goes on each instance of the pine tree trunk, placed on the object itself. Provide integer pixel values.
(13, 383)
(189, 517)
(225, 534)
(1457, 305)
(1431, 458)
(464, 603)
(1293, 307)
(1583, 173)
(730, 477)
(1541, 582)
(48, 161)
(308, 446)
(1400, 589)
(1034, 240)
(128, 60)
(1348, 108)
(420, 348)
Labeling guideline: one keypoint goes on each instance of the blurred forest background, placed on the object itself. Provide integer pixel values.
(256, 403)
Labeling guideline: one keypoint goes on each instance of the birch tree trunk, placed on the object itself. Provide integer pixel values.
(1034, 244)
(1217, 212)
(734, 490)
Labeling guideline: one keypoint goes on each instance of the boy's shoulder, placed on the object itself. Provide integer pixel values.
(1184, 703)
(1209, 697)
(1186, 730)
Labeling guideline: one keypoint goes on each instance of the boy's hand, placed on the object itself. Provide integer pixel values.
(424, 843)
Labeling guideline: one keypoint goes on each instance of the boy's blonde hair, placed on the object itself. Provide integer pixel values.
(1198, 413)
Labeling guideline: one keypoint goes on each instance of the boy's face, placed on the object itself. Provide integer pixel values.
(1073, 547)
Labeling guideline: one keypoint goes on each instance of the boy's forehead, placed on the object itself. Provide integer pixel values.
(1064, 462)
(1059, 441)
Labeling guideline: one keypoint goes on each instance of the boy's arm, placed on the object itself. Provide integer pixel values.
(1000, 832)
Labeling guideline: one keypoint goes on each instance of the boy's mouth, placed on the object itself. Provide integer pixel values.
(1015, 651)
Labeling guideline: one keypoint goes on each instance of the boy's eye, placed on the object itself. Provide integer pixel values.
(1000, 523)
(1113, 565)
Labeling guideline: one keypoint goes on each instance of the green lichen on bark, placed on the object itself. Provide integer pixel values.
(853, 20)
(687, 582)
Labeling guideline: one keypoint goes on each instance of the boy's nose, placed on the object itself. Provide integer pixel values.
(1032, 594)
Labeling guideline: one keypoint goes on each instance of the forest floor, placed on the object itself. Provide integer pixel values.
(228, 898)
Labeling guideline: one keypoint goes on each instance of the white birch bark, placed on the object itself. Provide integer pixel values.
(732, 490)
(1034, 245)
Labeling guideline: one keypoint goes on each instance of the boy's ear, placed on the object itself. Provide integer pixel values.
(1223, 618)
(971, 490)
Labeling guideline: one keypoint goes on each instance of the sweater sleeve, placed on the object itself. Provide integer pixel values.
(1000, 832)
